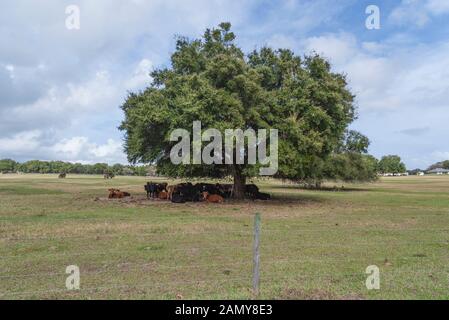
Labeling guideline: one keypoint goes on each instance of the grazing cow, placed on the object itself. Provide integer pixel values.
(108, 175)
(212, 198)
(62, 175)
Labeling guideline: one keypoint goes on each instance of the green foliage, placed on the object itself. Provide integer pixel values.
(37, 166)
(354, 141)
(442, 164)
(211, 80)
(348, 163)
(391, 164)
(101, 168)
(8, 165)
(351, 167)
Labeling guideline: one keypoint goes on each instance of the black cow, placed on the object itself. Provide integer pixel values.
(162, 187)
(153, 189)
(177, 198)
(186, 191)
(150, 188)
(261, 196)
(251, 190)
(226, 190)
(207, 187)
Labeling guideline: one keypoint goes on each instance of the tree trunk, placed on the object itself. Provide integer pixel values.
(239, 183)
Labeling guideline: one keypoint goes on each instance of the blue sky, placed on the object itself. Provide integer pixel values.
(60, 89)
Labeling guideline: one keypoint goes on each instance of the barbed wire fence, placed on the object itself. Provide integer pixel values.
(246, 263)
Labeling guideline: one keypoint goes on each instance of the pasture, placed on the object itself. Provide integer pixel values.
(314, 244)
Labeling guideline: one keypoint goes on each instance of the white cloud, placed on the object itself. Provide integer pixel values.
(26, 141)
(70, 148)
(94, 94)
(82, 148)
(397, 87)
(339, 48)
(141, 76)
(385, 76)
(28, 144)
(418, 12)
(68, 85)
(438, 6)
(440, 155)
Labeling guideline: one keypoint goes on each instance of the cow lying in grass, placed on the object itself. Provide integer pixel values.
(212, 198)
(163, 195)
(252, 192)
(117, 194)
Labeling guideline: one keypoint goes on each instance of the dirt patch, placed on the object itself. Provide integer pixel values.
(276, 207)
(315, 294)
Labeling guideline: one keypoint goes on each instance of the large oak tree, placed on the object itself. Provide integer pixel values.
(211, 80)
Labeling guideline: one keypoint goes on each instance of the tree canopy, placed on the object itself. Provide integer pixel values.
(211, 80)
(391, 164)
(349, 162)
(8, 165)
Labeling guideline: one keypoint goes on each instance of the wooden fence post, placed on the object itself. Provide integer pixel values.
(256, 255)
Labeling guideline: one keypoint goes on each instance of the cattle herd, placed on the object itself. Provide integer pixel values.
(184, 192)
(210, 192)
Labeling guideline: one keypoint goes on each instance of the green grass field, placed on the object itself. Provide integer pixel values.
(314, 244)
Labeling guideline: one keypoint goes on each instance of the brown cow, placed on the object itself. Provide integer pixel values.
(111, 193)
(163, 195)
(212, 198)
(170, 190)
(117, 194)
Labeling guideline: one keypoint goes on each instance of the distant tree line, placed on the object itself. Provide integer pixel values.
(442, 164)
(37, 166)
(349, 163)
